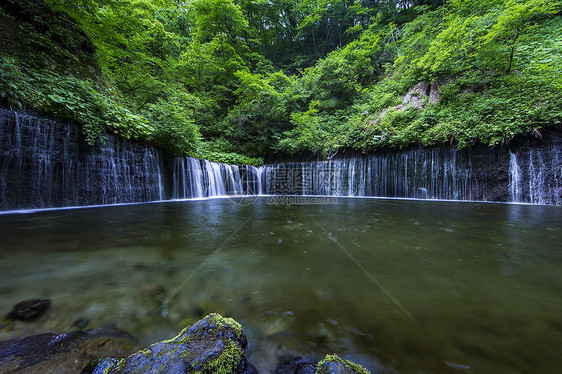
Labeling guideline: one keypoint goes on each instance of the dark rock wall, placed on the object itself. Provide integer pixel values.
(46, 164)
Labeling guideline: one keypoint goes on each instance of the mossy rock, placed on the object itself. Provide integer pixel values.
(213, 345)
(332, 364)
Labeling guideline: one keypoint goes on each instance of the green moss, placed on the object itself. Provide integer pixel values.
(227, 362)
(103, 365)
(323, 366)
(223, 323)
(232, 352)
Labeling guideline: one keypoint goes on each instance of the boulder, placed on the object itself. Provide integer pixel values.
(65, 353)
(213, 345)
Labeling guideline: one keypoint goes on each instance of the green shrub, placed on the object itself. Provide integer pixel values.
(13, 89)
(175, 131)
(230, 158)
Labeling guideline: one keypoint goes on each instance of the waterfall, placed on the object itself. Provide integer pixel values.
(44, 164)
(514, 179)
(536, 176)
(194, 178)
(187, 178)
(434, 173)
(252, 179)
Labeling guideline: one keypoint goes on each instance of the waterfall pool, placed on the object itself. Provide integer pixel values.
(397, 285)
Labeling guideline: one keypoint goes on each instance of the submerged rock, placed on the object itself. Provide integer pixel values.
(29, 309)
(331, 364)
(213, 345)
(81, 323)
(295, 365)
(66, 353)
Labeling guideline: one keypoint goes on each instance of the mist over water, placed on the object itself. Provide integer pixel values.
(411, 286)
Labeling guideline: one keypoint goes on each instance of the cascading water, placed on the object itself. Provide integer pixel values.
(514, 179)
(536, 176)
(194, 178)
(187, 178)
(435, 174)
(47, 164)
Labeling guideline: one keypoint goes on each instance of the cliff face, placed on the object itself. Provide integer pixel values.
(46, 163)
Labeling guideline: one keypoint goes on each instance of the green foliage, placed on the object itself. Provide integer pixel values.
(234, 80)
(13, 89)
(70, 98)
(230, 158)
(315, 132)
(175, 130)
(482, 36)
(261, 113)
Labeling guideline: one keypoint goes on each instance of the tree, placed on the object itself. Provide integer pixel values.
(515, 17)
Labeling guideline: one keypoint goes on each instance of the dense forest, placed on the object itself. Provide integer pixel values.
(239, 80)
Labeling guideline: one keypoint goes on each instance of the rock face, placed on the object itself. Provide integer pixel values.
(213, 345)
(66, 353)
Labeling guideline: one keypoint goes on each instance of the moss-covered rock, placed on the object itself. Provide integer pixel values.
(213, 345)
(332, 364)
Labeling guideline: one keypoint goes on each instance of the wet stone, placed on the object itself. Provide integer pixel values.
(289, 364)
(65, 353)
(29, 310)
(331, 364)
(81, 323)
(213, 345)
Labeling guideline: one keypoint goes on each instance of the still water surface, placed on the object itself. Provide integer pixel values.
(400, 286)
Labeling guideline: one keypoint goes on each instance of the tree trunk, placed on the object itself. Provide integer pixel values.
(512, 52)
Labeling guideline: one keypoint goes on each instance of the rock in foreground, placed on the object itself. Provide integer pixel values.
(213, 345)
(65, 353)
